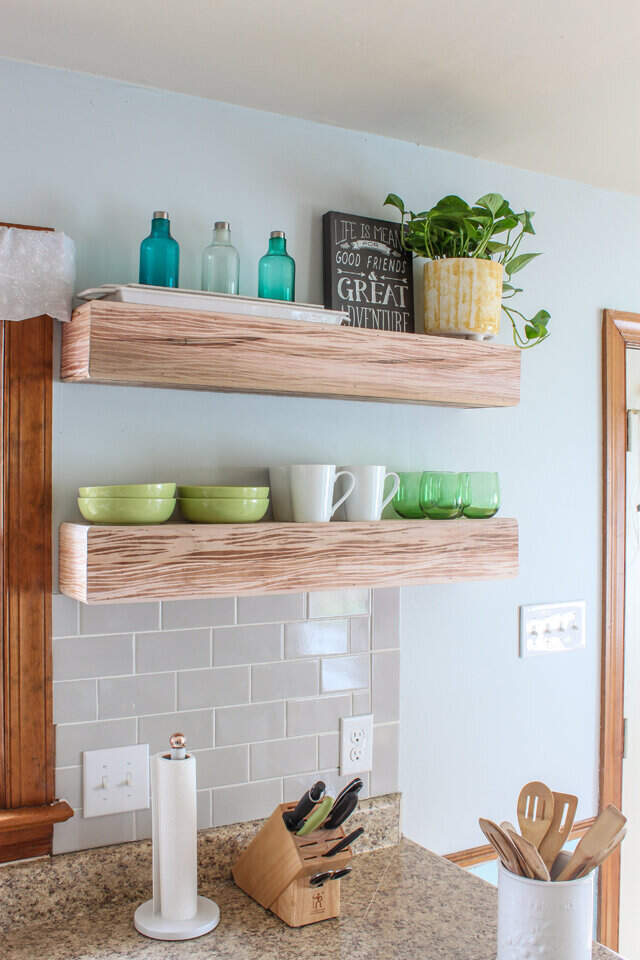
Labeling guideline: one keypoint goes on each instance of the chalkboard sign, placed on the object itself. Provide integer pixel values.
(367, 273)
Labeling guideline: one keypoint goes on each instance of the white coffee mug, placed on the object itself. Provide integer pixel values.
(312, 491)
(368, 500)
(280, 483)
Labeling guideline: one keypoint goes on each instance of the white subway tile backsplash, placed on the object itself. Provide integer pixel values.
(77, 657)
(69, 786)
(344, 673)
(361, 700)
(172, 650)
(203, 809)
(360, 634)
(289, 678)
(73, 738)
(80, 834)
(196, 725)
(75, 700)
(134, 696)
(250, 801)
(119, 617)
(294, 787)
(247, 644)
(316, 716)
(64, 616)
(259, 721)
(277, 758)
(386, 618)
(385, 686)
(214, 612)
(275, 608)
(328, 751)
(219, 687)
(338, 603)
(316, 638)
(222, 766)
(384, 777)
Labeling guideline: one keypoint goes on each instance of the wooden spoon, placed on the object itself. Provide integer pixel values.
(602, 856)
(503, 845)
(510, 830)
(534, 864)
(564, 813)
(535, 811)
(595, 842)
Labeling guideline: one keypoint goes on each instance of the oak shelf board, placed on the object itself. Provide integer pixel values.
(138, 345)
(108, 564)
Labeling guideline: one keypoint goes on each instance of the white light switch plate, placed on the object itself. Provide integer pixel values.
(356, 744)
(115, 780)
(552, 628)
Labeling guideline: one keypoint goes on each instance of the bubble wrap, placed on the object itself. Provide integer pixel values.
(37, 274)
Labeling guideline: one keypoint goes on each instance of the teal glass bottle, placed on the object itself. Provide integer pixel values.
(159, 254)
(221, 261)
(277, 270)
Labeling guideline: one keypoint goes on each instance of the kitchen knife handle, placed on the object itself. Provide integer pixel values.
(341, 811)
(344, 843)
(306, 803)
(316, 818)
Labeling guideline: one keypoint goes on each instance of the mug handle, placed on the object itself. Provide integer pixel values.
(338, 503)
(396, 485)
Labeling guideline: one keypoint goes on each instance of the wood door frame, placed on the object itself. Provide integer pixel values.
(27, 806)
(620, 330)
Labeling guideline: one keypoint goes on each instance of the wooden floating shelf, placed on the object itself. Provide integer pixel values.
(123, 343)
(102, 564)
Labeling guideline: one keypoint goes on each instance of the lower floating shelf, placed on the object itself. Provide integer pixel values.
(189, 561)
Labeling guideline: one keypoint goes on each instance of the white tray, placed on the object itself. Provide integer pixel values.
(213, 302)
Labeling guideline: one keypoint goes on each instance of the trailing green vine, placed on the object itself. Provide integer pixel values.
(453, 228)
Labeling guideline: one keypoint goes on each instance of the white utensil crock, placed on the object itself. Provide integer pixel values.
(368, 500)
(312, 488)
(547, 921)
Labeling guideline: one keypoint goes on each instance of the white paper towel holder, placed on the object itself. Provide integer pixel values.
(150, 919)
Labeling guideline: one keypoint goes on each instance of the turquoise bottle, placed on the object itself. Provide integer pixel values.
(159, 254)
(277, 270)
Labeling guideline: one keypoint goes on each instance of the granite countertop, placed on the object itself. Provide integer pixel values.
(400, 902)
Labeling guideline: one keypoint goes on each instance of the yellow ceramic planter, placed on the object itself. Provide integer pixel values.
(462, 297)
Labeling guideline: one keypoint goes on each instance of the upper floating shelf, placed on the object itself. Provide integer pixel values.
(124, 343)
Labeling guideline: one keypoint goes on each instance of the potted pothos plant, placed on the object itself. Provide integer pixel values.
(473, 254)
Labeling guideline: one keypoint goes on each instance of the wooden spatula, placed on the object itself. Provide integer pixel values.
(564, 813)
(534, 865)
(597, 839)
(503, 845)
(602, 856)
(535, 811)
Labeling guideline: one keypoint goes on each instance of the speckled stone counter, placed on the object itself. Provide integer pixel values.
(400, 902)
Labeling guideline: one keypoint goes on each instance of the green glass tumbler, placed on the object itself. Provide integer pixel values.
(441, 495)
(407, 500)
(481, 495)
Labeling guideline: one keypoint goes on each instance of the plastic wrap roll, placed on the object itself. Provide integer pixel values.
(175, 855)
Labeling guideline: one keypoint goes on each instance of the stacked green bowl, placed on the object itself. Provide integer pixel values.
(216, 504)
(128, 503)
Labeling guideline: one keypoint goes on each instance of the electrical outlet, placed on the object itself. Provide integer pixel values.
(115, 780)
(356, 744)
(552, 628)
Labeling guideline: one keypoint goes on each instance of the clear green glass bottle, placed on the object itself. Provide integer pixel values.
(277, 270)
(221, 261)
(159, 254)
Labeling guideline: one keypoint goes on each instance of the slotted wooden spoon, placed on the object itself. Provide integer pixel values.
(534, 865)
(564, 813)
(503, 845)
(596, 840)
(535, 811)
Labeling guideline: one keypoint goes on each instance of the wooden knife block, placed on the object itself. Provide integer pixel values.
(276, 867)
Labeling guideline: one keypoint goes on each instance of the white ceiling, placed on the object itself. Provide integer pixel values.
(548, 85)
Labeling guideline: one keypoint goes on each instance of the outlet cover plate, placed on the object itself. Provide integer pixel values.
(552, 628)
(115, 780)
(356, 744)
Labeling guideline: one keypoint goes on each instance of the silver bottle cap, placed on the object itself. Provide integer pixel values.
(160, 215)
(277, 233)
(222, 225)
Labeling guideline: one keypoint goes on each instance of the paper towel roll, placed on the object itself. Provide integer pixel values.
(175, 855)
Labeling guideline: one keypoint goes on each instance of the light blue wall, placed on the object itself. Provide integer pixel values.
(94, 158)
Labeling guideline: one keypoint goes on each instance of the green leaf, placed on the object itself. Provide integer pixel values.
(452, 203)
(507, 223)
(393, 200)
(510, 289)
(512, 266)
(525, 220)
(494, 247)
(491, 201)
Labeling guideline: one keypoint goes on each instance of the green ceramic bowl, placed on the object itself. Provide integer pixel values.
(223, 510)
(126, 509)
(224, 493)
(145, 491)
